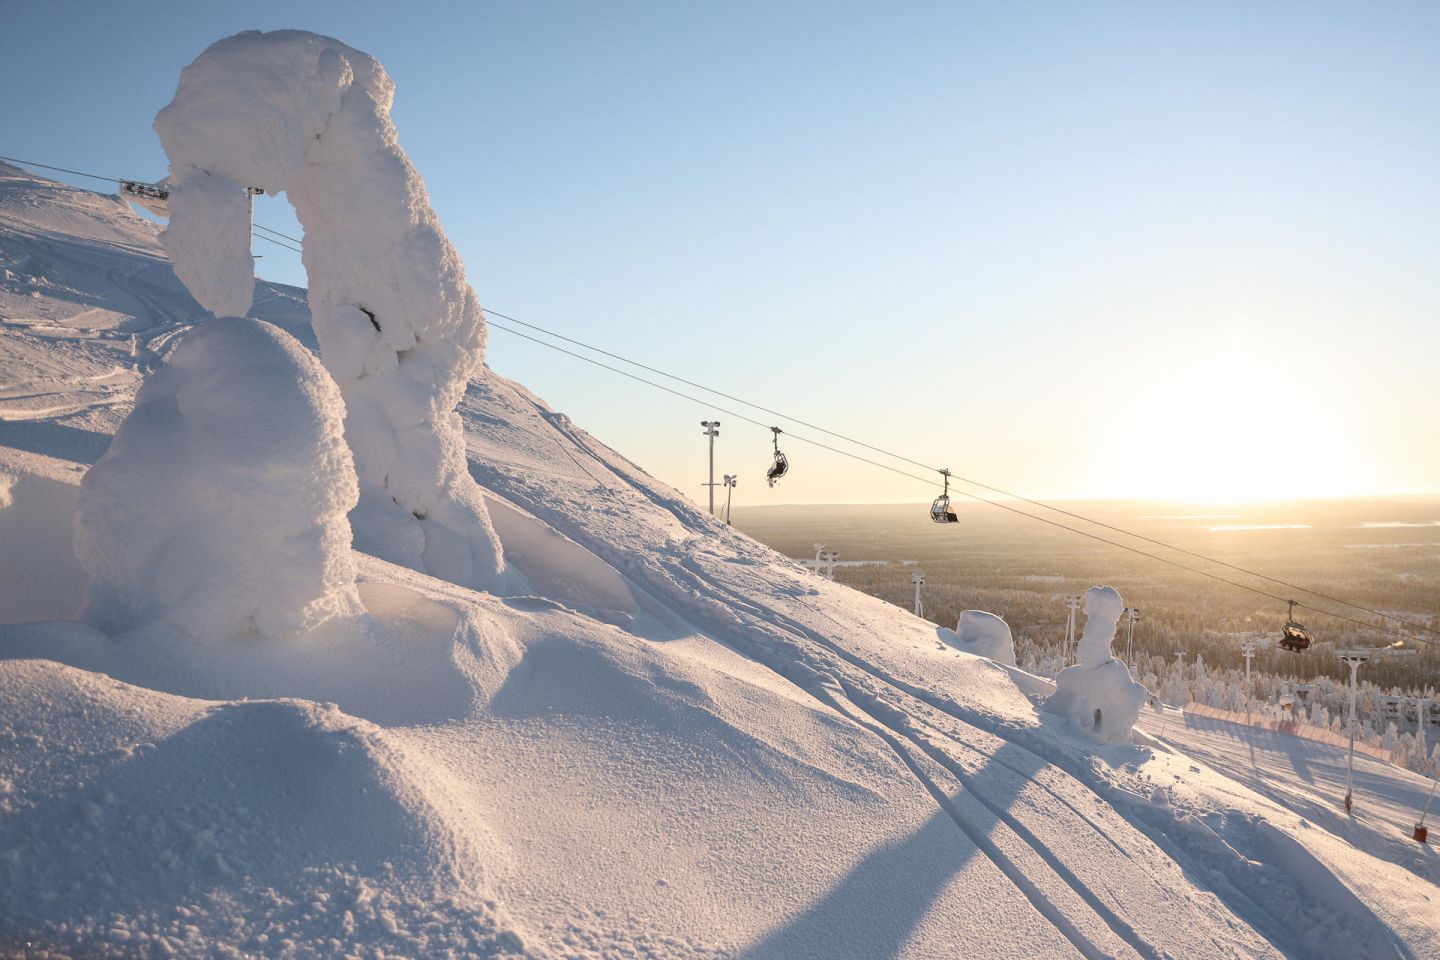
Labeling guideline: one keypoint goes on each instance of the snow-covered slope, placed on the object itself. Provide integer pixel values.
(676, 744)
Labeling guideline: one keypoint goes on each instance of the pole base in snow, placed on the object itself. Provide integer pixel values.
(1422, 834)
(1347, 803)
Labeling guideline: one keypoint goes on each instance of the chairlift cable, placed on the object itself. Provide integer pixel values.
(984, 486)
(973, 496)
(46, 166)
(891, 454)
(282, 236)
(259, 236)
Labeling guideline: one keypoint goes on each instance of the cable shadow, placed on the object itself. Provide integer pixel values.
(51, 439)
(875, 909)
(1293, 748)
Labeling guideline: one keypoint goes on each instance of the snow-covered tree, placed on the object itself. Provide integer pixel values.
(220, 506)
(1097, 694)
(399, 328)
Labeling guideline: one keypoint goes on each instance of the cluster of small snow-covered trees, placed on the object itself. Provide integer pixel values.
(229, 498)
(1413, 745)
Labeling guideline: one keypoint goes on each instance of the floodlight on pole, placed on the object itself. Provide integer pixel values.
(1351, 658)
(730, 481)
(712, 430)
(1422, 711)
(918, 579)
(1072, 604)
(819, 554)
(1247, 650)
(1132, 617)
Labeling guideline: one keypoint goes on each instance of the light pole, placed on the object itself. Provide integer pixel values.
(712, 430)
(1072, 604)
(1352, 659)
(1132, 617)
(1422, 833)
(918, 579)
(830, 557)
(1179, 685)
(819, 554)
(1422, 714)
(1247, 649)
(730, 481)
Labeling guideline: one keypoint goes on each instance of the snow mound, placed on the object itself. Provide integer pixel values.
(1097, 695)
(983, 634)
(220, 507)
(398, 325)
(293, 813)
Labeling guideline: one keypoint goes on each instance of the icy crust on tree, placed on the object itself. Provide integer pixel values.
(1097, 695)
(220, 507)
(399, 328)
(983, 634)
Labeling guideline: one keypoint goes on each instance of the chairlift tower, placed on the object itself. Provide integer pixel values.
(1351, 658)
(712, 430)
(1422, 715)
(918, 579)
(1247, 650)
(730, 481)
(1422, 833)
(1132, 617)
(1072, 604)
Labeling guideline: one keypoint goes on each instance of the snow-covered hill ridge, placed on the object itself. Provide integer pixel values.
(670, 742)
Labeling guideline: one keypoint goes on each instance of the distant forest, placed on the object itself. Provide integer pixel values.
(1381, 553)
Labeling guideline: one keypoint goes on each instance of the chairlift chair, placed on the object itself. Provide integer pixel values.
(940, 510)
(154, 197)
(149, 191)
(781, 464)
(1294, 636)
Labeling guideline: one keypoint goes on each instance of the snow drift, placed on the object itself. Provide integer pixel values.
(220, 507)
(399, 328)
(1098, 695)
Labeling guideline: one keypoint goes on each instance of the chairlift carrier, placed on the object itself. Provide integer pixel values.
(940, 510)
(781, 464)
(1294, 636)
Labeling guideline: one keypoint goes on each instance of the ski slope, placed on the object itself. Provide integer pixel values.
(663, 740)
(1309, 778)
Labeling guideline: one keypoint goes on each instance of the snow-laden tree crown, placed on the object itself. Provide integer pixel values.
(219, 508)
(398, 326)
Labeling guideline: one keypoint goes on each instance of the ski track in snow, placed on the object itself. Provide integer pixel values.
(1065, 835)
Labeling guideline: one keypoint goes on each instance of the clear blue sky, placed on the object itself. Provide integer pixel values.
(1095, 249)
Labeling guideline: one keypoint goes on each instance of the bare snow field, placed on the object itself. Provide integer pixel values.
(658, 738)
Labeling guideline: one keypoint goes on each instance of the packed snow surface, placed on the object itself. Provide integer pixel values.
(221, 506)
(677, 744)
(1098, 695)
(399, 327)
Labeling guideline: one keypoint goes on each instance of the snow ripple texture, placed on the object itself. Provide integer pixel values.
(399, 327)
